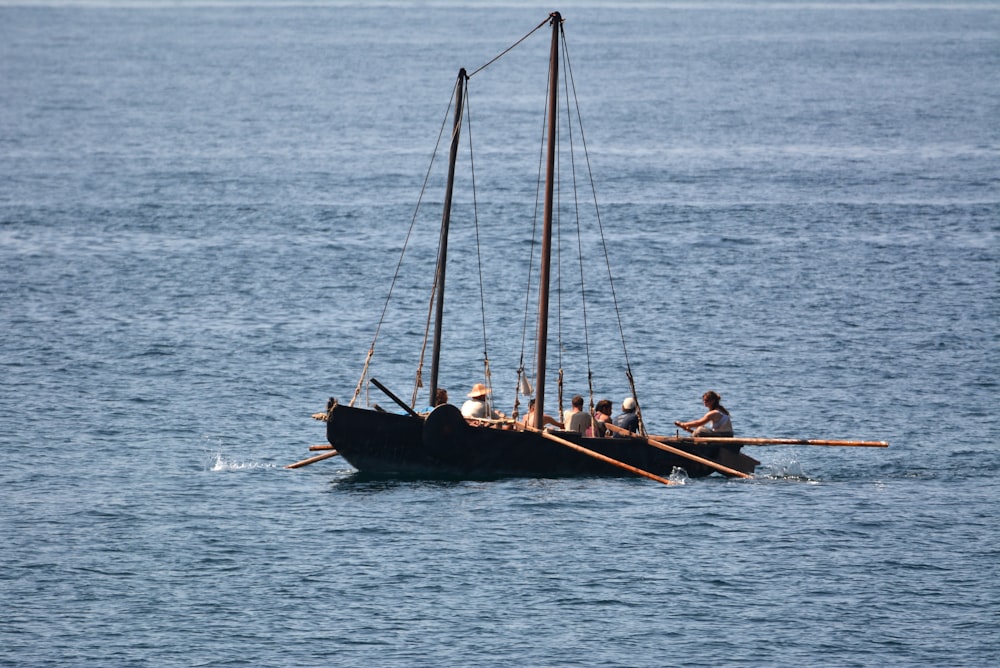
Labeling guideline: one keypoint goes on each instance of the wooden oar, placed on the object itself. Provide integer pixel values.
(312, 460)
(325, 446)
(779, 441)
(598, 455)
(677, 451)
(399, 401)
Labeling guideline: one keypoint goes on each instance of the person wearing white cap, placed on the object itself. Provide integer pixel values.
(628, 418)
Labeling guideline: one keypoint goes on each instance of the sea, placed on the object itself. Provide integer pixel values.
(202, 207)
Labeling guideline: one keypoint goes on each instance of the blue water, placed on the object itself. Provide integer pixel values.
(201, 206)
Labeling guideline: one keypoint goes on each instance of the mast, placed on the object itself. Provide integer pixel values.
(442, 260)
(543, 281)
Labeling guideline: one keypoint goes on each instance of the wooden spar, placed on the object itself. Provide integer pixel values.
(681, 453)
(545, 267)
(312, 460)
(442, 261)
(602, 457)
(723, 440)
(326, 446)
(392, 396)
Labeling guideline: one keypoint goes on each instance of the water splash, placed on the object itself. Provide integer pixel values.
(679, 476)
(221, 463)
(786, 470)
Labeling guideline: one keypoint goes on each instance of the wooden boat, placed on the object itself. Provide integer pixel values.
(444, 444)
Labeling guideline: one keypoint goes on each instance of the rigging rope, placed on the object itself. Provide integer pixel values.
(511, 47)
(402, 255)
(531, 256)
(600, 228)
(579, 233)
(418, 381)
(569, 84)
(557, 215)
(479, 255)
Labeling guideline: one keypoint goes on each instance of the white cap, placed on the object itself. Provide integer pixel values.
(628, 404)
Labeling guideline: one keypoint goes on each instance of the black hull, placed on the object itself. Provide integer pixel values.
(444, 445)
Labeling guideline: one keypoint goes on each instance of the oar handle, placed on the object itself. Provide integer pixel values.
(680, 453)
(598, 455)
(738, 440)
(392, 396)
(312, 460)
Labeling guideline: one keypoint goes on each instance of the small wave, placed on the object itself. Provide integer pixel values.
(787, 470)
(221, 463)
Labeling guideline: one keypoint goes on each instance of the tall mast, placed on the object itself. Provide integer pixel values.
(442, 260)
(543, 281)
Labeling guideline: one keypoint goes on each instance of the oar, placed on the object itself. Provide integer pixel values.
(598, 455)
(325, 446)
(677, 451)
(395, 398)
(312, 460)
(783, 441)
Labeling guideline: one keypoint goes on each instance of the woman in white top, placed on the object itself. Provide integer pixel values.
(716, 422)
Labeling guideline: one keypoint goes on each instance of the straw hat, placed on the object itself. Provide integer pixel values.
(478, 390)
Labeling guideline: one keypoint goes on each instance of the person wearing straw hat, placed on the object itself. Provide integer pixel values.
(478, 406)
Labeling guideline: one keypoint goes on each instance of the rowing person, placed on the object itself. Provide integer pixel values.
(628, 418)
(529, 419)
(716, 422)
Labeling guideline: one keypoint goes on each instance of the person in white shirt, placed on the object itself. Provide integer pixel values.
(477, 406)
(716, 422)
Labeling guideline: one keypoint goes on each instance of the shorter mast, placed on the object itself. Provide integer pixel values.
(442, 260)
(545, 268)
